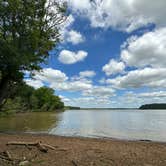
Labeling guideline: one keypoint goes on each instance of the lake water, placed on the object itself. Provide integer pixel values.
(121, 124)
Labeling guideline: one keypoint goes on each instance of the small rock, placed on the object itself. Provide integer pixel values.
(23, 163)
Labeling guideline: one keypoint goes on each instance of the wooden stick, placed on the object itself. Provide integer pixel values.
(8, 155)
(62, 149)
(5, 158)
(22, 143)
(49, 146)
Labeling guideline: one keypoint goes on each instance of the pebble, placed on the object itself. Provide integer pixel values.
(23, 163)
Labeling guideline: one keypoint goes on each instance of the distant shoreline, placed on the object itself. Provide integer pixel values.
(154, 106)
(79, 108)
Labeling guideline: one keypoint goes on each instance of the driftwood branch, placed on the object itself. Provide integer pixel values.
(6, 156)
(23, 143)
(74, 163)
(49, 146)
(42, 147)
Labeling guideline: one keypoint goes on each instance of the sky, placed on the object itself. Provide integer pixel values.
(112, 55)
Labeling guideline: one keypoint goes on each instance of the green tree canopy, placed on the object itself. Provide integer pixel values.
(46, 99)
(26, 98)
(28, 30)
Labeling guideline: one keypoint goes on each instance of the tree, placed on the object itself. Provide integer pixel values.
(46, 100)
(24, 92)
(26, 98)
(28, 30)
(43, 95)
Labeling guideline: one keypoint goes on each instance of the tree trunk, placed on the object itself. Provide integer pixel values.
(4, 90)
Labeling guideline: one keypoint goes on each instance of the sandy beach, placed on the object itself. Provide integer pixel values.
(71, 151)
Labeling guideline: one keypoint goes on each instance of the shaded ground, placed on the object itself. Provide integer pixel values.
(84, 152)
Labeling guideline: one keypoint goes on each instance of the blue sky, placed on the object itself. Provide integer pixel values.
(111, 55)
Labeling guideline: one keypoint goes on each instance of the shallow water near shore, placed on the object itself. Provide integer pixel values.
(121, 124)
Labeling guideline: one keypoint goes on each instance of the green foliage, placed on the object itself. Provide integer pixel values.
(46, 100)
(13, 105)
(29, 99)
(28, 30)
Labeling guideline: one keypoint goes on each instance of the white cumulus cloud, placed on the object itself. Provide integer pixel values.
(99, 91)
(147, 77)
(74, 37)
(147, 50)
(113, 67)
(50, 75)
(68, 34)
(87, 73)
(160, 94)
(71, 86)
(34, 83)
(69, 57)
(126, 15)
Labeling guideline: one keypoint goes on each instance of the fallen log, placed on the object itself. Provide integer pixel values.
(42, 147)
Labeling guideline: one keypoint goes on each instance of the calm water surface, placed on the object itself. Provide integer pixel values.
(122, 124)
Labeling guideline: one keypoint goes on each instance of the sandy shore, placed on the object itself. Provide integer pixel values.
(83, 151)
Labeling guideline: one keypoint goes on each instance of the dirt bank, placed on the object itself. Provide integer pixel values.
(83, 152)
